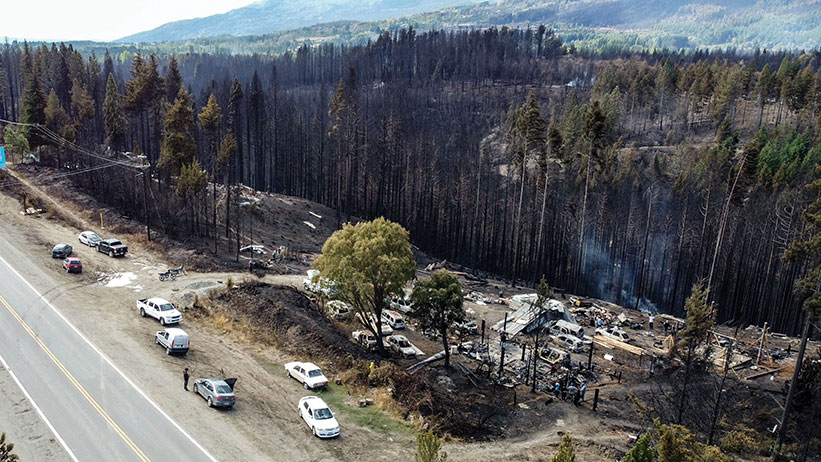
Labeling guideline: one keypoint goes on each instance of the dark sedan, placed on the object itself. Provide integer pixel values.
(61, 251)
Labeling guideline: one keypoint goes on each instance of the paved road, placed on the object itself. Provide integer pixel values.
(96, 412)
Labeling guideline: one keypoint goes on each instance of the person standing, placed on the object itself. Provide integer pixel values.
(583, 390)
(652, 318)
(185, 378)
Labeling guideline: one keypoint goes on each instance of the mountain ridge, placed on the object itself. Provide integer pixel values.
(266, 16)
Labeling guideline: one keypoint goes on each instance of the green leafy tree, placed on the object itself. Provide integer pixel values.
(643, 451)
(16, 141)
(5, 450)
(438, 303)
(566, 452)
(113, 114)
(368, 262)
(178, 146)
(428, 448)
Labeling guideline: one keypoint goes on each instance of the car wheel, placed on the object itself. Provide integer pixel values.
(305, 385)
(111, 253)
(195, 389)
(289, 374)
(156, 340)
(162, 321)
(210, 403)
(168, 351)
(313, 430)
(142, 312)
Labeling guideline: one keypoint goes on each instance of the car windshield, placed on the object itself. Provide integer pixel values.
(93, 237)
(322, 414)
(315, 373)
(403, 343)
(223, 389)
(166, 307)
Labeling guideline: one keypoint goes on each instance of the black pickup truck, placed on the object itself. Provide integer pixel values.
(112, 247)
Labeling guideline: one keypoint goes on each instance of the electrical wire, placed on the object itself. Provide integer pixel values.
(62, 142)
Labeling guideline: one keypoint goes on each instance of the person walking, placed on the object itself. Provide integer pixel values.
(583, 390)
(185, 378)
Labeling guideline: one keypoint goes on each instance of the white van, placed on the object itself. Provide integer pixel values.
(393, 319)
(173, 339)
(563, 327)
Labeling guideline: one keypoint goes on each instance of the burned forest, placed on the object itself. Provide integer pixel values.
(622, 176)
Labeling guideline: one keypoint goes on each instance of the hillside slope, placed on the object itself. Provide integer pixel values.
(275, 26)
(267, 16)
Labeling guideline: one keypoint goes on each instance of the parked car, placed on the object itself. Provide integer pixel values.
(393, 319)
(563, 327)
(386, 328)
(318, 416)
(72, 265)
(217, 393)
(159, 309)
(614, 334)
(89, 238)
(316, 284)
(308, 373)
(401, 305)
(173, 339)
(338, 309)
(400, 345)
(569, 342)
(61, 251)
(113, 247)
(364, 338)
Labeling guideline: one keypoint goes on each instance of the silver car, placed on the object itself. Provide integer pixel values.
(216, 392)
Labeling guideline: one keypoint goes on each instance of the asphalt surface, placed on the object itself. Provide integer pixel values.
(94, 410)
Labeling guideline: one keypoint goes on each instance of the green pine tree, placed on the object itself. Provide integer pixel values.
(566, 452)
(178, 146)
(113, 115)
(643, 451)
(33, 109)
(428, 448)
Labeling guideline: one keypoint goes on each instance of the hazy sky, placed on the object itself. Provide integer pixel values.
(100, 20)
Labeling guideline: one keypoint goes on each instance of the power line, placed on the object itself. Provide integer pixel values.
(62, 142)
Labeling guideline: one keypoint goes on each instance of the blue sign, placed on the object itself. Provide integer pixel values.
(2, 157)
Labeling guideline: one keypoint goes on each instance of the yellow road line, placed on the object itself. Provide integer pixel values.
(77, 384)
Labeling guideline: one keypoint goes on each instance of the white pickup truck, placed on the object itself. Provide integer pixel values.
(159, 309)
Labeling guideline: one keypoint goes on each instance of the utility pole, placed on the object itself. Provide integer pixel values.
(145, 201)
(502, 340)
